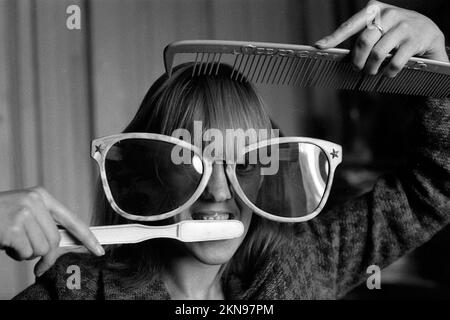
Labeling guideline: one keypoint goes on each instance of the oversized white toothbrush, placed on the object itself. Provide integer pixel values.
(186, 231)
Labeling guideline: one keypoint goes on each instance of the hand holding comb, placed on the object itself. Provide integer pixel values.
(305, 66)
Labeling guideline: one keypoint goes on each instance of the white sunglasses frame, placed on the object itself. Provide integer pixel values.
(101, 146)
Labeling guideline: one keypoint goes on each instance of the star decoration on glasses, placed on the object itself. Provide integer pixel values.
(99, 148)
(335, 154)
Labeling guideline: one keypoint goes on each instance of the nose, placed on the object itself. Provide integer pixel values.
(217, 188)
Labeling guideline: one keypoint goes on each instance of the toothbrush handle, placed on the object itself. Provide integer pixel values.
(120, 234)
(186, 231)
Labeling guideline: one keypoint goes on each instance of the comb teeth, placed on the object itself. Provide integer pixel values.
(303, 66)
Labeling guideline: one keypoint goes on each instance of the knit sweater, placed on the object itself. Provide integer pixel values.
(332, 252)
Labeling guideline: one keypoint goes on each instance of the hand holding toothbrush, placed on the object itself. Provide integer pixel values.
(28, 228)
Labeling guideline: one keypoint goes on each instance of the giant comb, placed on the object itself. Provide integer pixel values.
(305, 66)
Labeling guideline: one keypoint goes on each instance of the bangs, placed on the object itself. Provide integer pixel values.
(217, 101)
(223, 104)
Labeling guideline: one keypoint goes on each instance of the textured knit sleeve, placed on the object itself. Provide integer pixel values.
(43, 289)
(403, 210)
(53, 285)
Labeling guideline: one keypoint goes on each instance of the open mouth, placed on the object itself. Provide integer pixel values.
(212, 216)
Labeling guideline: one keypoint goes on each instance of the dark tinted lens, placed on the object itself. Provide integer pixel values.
(287, 180)
(146, 177)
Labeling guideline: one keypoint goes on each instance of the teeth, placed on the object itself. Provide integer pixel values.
(215, 216)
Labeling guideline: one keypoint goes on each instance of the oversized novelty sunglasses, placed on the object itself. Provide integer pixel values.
(149, 177)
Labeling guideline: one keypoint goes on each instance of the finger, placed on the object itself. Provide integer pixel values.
(72, 223)
(20, 247)
(46, 222)
(36, 237)
(400, 58)
(390, 41)
(47, 261)
(369, 38)
(349, 28)
(363, 46)
(81, 231)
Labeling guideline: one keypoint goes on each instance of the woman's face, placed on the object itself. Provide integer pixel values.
(219, 201)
